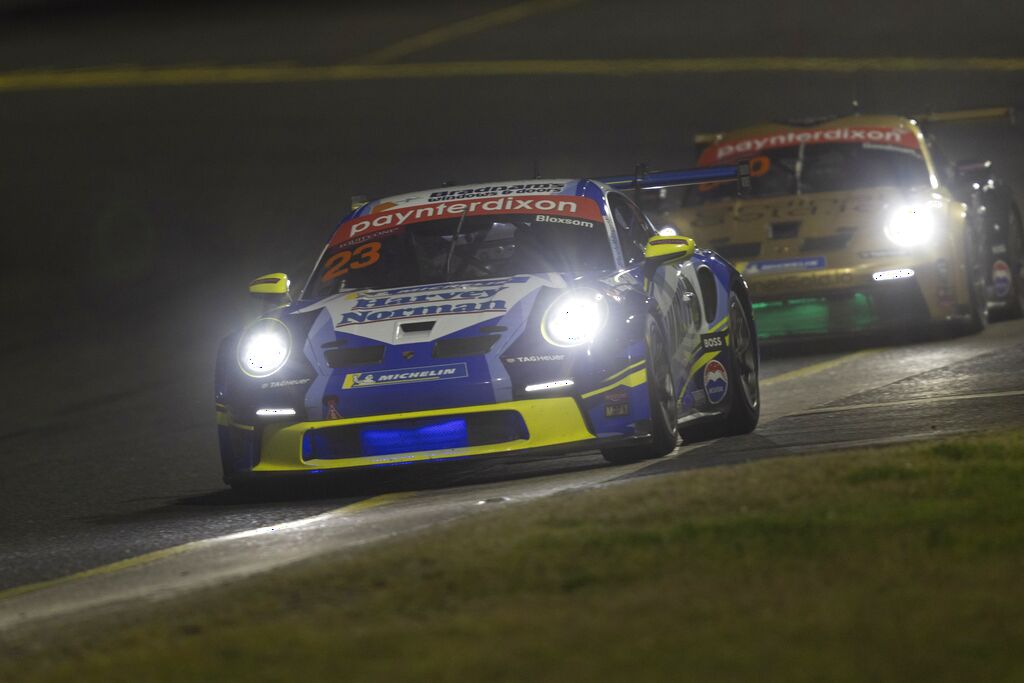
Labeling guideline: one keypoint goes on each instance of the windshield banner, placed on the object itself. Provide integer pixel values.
(378, 223)
(734, 150)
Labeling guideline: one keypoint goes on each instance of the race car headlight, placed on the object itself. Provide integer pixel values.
(264, 348)
(912, 225)
(575, 318)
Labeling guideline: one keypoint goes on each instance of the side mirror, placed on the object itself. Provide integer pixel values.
(271, 288)
(668, 247)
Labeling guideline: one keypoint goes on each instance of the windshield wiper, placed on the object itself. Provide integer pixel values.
(451, 249)
(800, 168)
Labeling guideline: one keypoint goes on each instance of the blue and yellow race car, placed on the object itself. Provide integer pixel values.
(528, 317)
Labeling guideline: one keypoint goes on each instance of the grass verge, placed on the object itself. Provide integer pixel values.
(901, 563)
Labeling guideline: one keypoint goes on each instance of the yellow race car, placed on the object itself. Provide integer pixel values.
(857, 223)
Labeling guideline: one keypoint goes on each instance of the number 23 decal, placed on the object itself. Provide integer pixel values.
(363, 256)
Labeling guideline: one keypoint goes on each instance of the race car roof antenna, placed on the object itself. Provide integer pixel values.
(858, 89)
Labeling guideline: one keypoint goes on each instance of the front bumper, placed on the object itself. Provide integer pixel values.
(549, 425)
(849, 299)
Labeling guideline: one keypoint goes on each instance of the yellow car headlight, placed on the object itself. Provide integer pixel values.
(914, 224)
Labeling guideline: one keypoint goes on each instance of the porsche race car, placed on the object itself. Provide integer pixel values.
(859, 223)
(530, 317)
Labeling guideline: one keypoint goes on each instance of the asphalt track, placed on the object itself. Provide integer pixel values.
(133, 213)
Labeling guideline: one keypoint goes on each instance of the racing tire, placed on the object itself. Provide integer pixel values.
(977, 316)
(661, 398)
(1015, 301)
(744, 404)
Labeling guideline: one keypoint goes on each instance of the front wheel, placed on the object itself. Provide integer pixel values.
(743, 398)
(662, 401)
(1008, 274)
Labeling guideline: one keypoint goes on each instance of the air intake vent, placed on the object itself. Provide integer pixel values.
(408, 436)
(739, 252)
(357, 355)
(708, 292)
(826, 243)
(785, 230)
(425, 326)
(464, 346)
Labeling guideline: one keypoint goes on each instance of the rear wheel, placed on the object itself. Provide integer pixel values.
(977, 316)
(743, 409)
(746, 408)
(662, 400)
(1015, 260)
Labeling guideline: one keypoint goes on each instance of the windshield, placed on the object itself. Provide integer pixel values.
(804, 169)
(464, 248)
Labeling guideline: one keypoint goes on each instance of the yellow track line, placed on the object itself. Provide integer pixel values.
(816, 368)
(460, 29)
(142, 76)
(147, 558)
(909, 402)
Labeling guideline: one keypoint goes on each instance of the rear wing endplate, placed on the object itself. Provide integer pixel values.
(702, 141)
(707, 138)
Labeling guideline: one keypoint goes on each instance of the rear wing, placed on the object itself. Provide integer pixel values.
(702, 140)
(966, 115)
(642, 179)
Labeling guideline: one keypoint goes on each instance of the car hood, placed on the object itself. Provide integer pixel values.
(389, 315)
